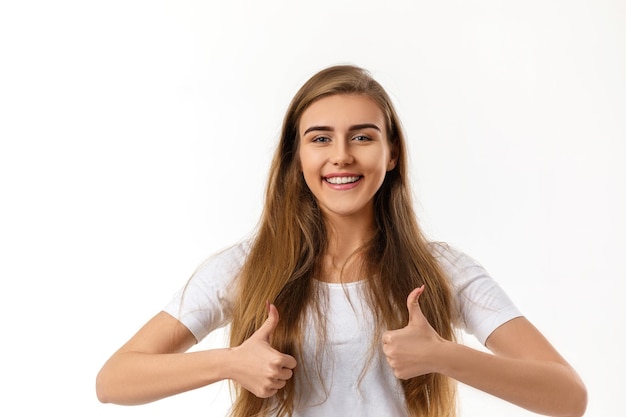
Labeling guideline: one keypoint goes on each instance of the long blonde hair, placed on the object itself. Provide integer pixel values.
(285, 256)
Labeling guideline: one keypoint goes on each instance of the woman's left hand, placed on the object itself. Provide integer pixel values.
(410, 351)
(524, 368)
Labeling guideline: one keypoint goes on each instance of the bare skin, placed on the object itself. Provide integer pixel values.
(525, 369)
(152, 364)
(341, 135)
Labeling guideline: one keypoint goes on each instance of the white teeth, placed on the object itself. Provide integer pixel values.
(342, 180)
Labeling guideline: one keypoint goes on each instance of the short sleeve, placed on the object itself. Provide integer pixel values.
(205, 302)
(482, 304)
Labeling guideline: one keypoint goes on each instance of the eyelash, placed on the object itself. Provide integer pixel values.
(324, 139)
(320, 139)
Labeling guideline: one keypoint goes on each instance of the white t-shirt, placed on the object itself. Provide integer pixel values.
(353, 380)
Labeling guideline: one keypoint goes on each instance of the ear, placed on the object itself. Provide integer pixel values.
(393, 160)
(296, 154)
(299, 164)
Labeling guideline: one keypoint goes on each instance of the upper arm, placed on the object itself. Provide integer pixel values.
(161, 334)
(519, 338)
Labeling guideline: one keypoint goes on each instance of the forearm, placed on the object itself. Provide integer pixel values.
(544, 387)
(131, 378)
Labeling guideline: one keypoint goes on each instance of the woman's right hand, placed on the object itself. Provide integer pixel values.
(257, 366)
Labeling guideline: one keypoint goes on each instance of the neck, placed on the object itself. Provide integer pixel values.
(346, 235)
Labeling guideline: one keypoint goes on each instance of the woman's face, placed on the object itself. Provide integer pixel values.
(344, 153)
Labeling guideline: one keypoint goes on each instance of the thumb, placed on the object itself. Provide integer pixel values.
(265, 331)
(412, 304)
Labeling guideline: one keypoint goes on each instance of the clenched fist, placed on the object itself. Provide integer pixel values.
(412, 350)
(259, 367)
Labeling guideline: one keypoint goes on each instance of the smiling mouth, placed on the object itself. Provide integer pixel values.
(342, 180)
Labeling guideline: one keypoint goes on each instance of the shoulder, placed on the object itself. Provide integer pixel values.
(465, 274)
(482, 304)
(218, 272)
(457, 265)
(228, 259)
(205, 301)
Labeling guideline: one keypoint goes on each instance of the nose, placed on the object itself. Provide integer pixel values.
(340, 154)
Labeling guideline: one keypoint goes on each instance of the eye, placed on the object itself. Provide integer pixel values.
(320, 139)
(361, 138)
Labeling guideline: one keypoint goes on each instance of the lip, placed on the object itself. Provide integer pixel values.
(342, 174)
(341, 187)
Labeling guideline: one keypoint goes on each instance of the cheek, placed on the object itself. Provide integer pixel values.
(378, 162)
(309, 163)
(307, 169)
(301, 159)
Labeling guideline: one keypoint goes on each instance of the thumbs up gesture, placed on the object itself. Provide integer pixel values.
(411, 351)
(257, 366)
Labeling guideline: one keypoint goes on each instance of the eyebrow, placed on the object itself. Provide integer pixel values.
(350, 129)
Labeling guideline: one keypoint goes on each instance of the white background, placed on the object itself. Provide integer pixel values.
(136, 137)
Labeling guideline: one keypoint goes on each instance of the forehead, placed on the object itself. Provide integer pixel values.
(342, 110)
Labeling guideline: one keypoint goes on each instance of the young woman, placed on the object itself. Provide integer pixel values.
(339, 305)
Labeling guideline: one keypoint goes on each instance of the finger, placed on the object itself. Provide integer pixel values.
(288, 362)
(266, 330)
(284, 374)
(386, 337)
(266, 393)
(412, 303)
